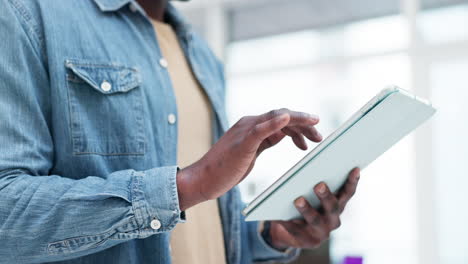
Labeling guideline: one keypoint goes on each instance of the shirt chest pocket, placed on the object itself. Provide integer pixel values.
(106, 109)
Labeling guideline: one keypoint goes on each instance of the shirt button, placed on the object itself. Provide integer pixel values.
(163, 62)
(106, 86)
(155, 224)
(171, 118)
(133, 7)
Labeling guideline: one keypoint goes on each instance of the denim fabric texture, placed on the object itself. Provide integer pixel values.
(87, 155)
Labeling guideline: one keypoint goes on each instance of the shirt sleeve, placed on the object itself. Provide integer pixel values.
(47, 217)
(264, 253)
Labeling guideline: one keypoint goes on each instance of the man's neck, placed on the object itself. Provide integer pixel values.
(154, 8)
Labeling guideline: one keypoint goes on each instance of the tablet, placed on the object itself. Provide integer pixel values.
(375, 128)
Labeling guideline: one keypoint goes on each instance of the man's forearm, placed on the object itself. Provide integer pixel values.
(59, 218)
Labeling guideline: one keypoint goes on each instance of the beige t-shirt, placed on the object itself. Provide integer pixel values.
(199, 240)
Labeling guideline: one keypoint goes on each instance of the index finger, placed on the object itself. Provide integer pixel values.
(266, 129)
(296, 118)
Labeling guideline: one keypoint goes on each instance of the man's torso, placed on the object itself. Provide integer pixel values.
(111, 100)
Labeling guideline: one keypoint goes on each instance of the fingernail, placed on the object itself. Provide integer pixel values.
(300, 202)
(283, 117)
(319, 135)
(357, 176)
(321, 189)
(314, 117)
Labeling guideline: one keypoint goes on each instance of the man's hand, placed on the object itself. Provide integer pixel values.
(231, 159)
(317, 224)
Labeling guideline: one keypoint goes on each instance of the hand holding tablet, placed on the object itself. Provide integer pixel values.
(375, 128)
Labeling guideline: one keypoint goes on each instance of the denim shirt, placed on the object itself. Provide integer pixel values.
(88, 139)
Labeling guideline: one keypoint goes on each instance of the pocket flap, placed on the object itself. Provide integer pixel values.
(105, 78)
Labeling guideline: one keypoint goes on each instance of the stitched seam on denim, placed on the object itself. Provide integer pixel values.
(147, 206)
(128, 85)
(15, 172)
(72, 78)
(76, 153)
(112, 65)
(140, 113)
(70, 123)
(173, 181)
(136, 194)
(174, 198)
(68, 248)
(105, 236)
(176, 195)
(32, 27)
(130, 234)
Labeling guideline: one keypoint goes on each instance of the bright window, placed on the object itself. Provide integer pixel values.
(444, 24)
(450, 91)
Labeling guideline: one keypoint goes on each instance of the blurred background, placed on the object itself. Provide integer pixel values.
(329, 57)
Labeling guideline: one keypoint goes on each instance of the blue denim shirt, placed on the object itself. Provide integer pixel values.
(87, 154)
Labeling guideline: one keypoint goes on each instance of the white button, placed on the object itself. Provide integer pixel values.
(163, 62)
(155, 224)
(133, 7)
(171, 118)
(106, 86)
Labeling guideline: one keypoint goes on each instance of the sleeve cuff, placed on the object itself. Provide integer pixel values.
(155, 200)
(264, 252)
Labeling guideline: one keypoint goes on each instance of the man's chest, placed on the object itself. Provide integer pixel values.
(112, 97)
